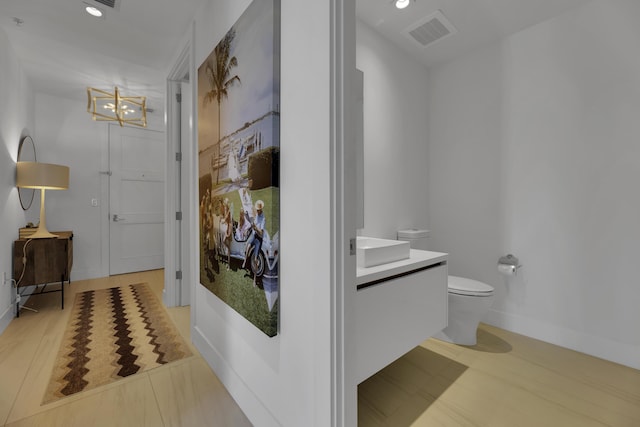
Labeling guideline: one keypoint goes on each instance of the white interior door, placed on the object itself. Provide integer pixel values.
(136, 199)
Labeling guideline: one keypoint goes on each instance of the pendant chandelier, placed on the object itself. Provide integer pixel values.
(113, 107)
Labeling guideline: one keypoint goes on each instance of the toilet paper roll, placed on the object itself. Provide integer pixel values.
(507, 269)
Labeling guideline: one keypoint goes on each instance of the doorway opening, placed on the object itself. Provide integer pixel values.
(177, 290)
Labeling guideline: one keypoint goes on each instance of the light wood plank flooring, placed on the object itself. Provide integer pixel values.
(505, 380)
(185, 393)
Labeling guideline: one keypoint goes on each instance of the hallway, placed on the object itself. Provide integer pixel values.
(183, 393)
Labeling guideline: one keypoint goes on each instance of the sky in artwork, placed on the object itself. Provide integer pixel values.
(257, 93)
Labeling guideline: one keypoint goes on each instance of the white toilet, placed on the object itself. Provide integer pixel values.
(469, 300)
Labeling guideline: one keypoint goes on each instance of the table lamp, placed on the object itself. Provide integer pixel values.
(42, 176)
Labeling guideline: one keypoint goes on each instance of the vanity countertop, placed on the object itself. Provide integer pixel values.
(417, 259)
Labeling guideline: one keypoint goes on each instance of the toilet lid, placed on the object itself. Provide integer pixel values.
(464, 286)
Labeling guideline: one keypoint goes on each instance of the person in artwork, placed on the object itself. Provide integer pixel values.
(214, 219)
(209, 241)
(244, 226)
(245, 198)
(205, 234)
(257, 228)
(202, 214)
(226, 229)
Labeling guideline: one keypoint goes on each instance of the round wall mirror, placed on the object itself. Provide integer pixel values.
(26, 153)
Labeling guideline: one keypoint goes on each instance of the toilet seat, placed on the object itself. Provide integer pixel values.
(469, 287)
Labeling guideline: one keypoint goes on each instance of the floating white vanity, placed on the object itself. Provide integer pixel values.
(399, 304)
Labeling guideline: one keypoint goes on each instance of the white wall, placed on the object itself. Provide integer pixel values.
(16, 120)
(395, 136)
(66, 135)
(283, 380)
(534, 151)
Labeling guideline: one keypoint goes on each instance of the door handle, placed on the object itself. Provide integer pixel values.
(117, 218)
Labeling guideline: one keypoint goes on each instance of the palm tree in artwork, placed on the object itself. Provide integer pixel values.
(218, 72)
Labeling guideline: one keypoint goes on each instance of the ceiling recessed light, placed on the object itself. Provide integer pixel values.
(401, 4)
(93, 11)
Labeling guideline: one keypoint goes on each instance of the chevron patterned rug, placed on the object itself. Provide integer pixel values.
(111, 334)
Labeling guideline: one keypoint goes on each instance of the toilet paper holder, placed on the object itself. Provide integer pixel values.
(508, 264)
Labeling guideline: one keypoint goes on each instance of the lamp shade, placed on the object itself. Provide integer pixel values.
(42, 175)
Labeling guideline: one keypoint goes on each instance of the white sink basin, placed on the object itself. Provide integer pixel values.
(371, 251)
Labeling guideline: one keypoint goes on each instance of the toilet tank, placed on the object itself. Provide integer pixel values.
(417, 238)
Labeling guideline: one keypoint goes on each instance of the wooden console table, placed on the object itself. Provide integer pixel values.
(42, 262)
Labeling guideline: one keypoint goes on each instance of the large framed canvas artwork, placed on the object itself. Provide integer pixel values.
(239, 164)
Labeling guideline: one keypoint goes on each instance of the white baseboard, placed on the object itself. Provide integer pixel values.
(6, 317)
(603, 348)
(253, 408)
(10, 311)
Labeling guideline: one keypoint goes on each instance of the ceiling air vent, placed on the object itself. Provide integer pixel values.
(112, 4)
(430, 29)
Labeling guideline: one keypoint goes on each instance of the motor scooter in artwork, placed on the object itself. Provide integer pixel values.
(258, 264)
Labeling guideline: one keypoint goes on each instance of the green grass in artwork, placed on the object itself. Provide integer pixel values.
(235, 286)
